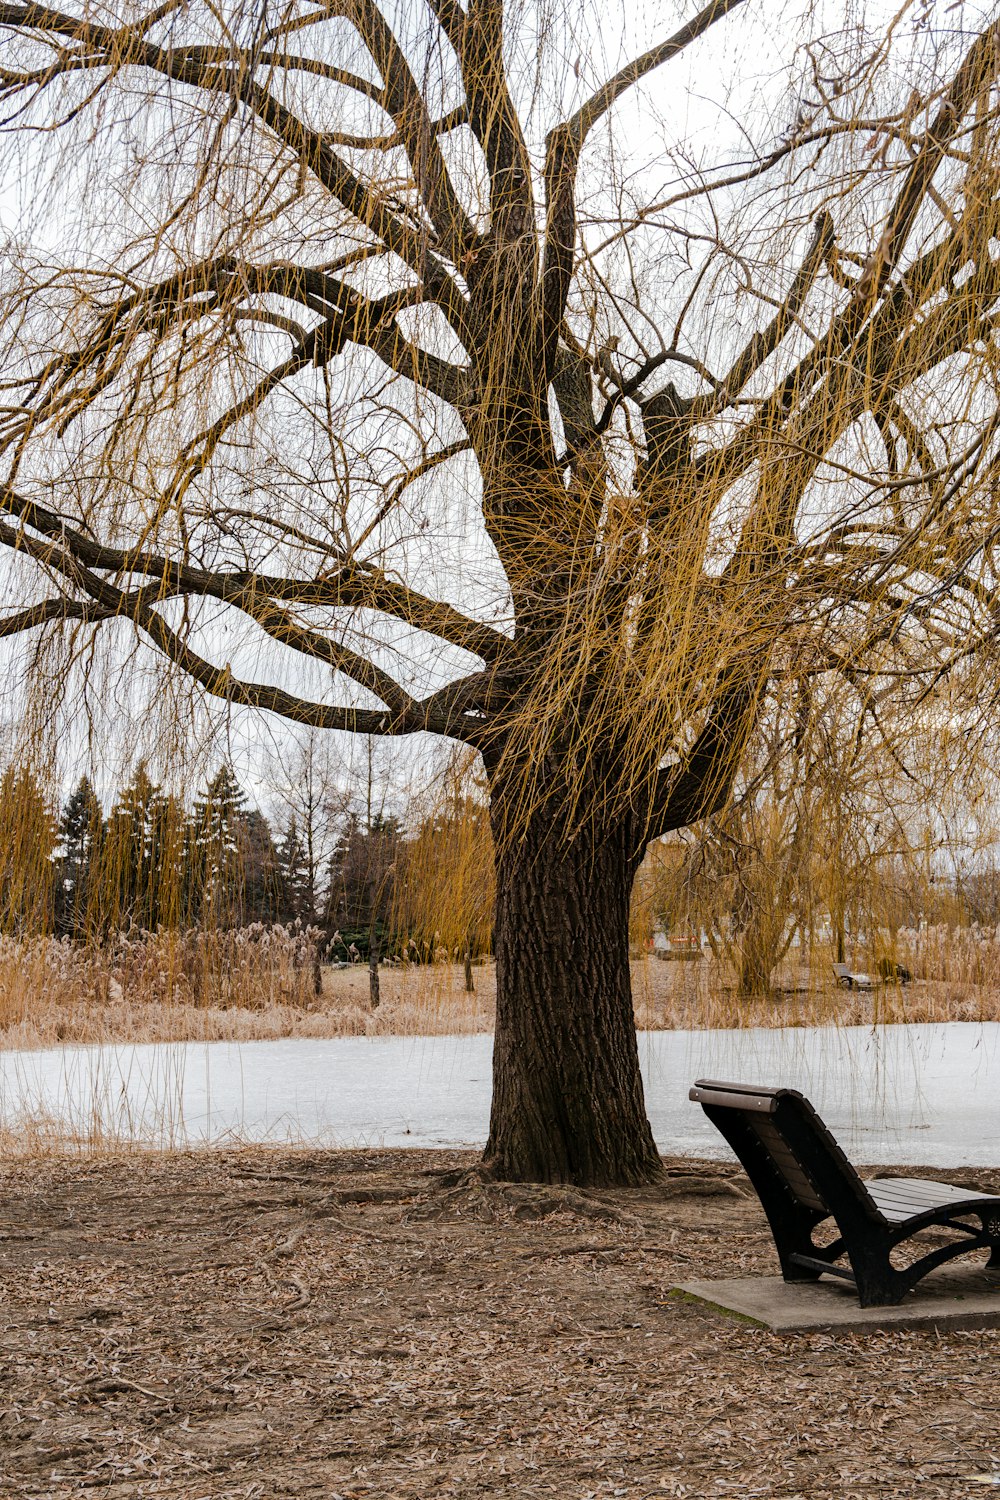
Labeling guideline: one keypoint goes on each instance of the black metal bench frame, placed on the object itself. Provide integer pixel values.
(803, 1178)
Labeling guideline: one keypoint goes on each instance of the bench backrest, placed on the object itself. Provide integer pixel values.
(776, 1133)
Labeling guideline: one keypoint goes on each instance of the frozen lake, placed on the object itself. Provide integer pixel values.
(920, 1094)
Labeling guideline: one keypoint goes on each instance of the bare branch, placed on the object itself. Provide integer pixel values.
(49, 611)
(231, 78)
(579, 125)
(404, 102)
(562, 158)
(764, 343)
(353, 585)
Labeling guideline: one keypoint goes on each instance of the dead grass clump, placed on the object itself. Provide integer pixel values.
(967, 956)
(699, 996)
(257, 985)
(254, 984)
(162, 986)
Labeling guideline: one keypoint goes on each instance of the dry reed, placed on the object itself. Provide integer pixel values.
(256, 985)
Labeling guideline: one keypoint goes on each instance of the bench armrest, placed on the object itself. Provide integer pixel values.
(758, 1104)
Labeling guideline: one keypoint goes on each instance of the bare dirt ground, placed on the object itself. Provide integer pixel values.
(342, 1325)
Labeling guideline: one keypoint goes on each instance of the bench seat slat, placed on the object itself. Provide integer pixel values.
(786, 1163)
(919, 1200)
(898, 1199)
(921, 1184)
(789, 1166)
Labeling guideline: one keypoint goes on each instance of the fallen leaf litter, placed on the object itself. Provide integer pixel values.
(253, 1324)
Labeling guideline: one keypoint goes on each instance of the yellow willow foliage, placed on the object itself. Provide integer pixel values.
(444, 891)
(27, 839)
(845, 827)
(634, 655)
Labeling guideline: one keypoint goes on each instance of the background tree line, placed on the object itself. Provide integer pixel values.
(829, 841)
(154, 860)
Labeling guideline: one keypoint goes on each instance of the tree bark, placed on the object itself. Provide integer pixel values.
(373, 984)
(758, 959)
(567, 1092)
(839, 943)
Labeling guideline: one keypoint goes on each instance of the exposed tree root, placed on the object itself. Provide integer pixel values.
(474, 1192)
(691, 1184)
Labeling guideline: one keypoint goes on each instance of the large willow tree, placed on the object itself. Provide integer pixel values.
(356, 364)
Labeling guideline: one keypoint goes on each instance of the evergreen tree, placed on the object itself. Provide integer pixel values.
(127, 877)
(296, 893)
(214, 851)
(233, 867)
(362, 882)
(81, 830)
(257, 890)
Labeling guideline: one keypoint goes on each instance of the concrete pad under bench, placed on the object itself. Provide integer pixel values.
(944, 1299)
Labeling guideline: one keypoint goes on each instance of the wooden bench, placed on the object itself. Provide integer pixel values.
(851, 979)
(803, 1178)
(887, 972)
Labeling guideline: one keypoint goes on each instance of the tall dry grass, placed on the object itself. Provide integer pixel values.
(955, 969)
(954, 955)
(257, 984)
(163, 986)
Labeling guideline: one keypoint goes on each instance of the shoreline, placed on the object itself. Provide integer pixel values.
(431, 1001)
(878, 1089)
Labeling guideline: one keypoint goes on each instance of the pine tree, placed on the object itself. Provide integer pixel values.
(214, 851)
(362, 881)
(126, 864)
(258, 878)
(81, 831)
(296, 893)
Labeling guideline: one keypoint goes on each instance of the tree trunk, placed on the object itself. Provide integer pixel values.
(373, 985)
(759, 956)
(567, 1092)
(839, 928)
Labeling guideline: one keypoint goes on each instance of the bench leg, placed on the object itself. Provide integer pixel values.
(874, 1278)
(885, 1290)
(794, 1244)
(791, 1271)
(879, 1283)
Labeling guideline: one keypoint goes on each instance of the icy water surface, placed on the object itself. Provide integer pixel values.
(901, 1094)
